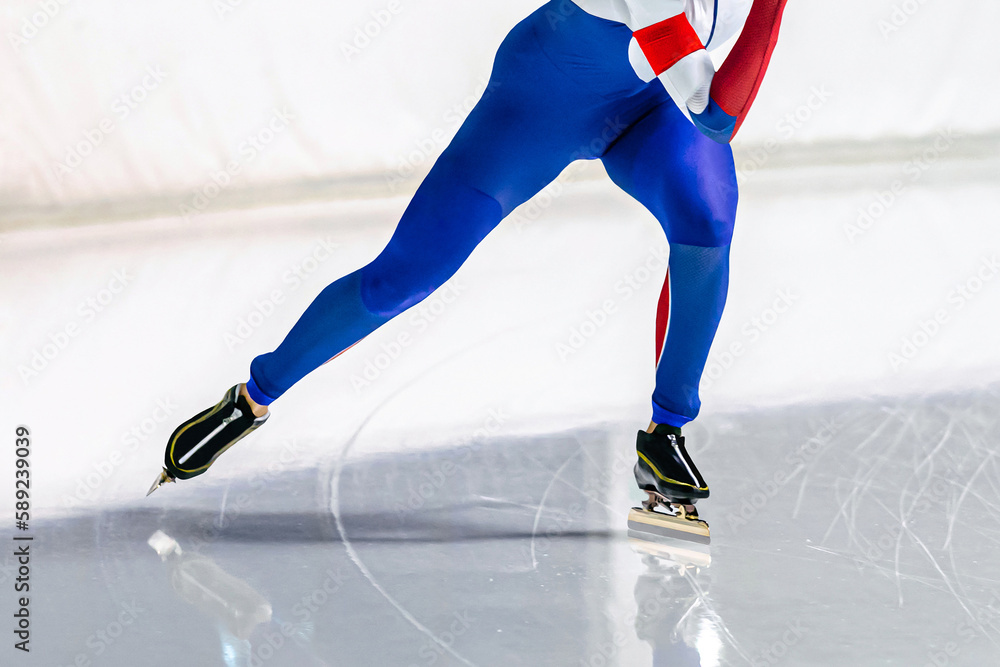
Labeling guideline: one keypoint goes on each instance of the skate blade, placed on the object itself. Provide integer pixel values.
(664, 525)
(162, 479)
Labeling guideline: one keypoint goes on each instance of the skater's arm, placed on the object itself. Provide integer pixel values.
(718, 102)
(735, 85)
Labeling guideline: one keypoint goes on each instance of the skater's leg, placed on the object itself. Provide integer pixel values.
(442, 225)
(530, 124)
(559, 91)
(688, 182)
(688, 314)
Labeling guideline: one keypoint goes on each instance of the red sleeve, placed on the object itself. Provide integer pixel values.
(736, 83)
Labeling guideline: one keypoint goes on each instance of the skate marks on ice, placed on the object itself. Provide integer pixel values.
(926, 480)
(232, 584)
(876, 549)
(897, 499)
(537, 512)
(335, 511)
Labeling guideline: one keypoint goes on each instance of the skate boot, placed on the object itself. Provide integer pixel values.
(196, 443)
(672, 483)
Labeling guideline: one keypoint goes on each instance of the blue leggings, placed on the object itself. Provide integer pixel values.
(561, 90)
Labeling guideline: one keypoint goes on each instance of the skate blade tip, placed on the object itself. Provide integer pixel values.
(660, 524)
(161, 479)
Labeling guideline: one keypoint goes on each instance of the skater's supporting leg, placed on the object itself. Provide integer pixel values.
(691, 304)
(689, 183)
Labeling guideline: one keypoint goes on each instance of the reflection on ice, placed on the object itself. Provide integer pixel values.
(249, 632)
(200, 582)
(520, 555)
(672, 607)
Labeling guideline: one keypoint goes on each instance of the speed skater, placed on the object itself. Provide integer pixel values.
(557, 79)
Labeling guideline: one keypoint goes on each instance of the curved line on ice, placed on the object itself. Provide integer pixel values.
(335, 503)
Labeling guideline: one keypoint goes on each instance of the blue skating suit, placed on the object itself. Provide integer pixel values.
(562, 89)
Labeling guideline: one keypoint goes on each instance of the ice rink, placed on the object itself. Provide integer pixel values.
(178, 182)
(877, 549)
(453, 491)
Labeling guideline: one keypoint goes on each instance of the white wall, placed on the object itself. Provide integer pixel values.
(226, 66)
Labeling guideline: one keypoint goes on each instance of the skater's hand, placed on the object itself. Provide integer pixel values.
(735, 86)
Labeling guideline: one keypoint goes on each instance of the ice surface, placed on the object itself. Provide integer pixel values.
(856, 533)
(466, 503)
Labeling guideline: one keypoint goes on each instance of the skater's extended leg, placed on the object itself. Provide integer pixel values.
(442, 225)
(558, 92)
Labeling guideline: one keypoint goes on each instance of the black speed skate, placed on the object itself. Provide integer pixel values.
(196, 443)
(672, 484)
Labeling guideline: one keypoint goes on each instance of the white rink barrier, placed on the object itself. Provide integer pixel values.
(194, 99)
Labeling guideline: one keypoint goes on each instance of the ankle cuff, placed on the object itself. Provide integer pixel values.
(258, 396)
(663, 416)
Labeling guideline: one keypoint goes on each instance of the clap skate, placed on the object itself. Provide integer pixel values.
(672, 484)
(196, 443)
